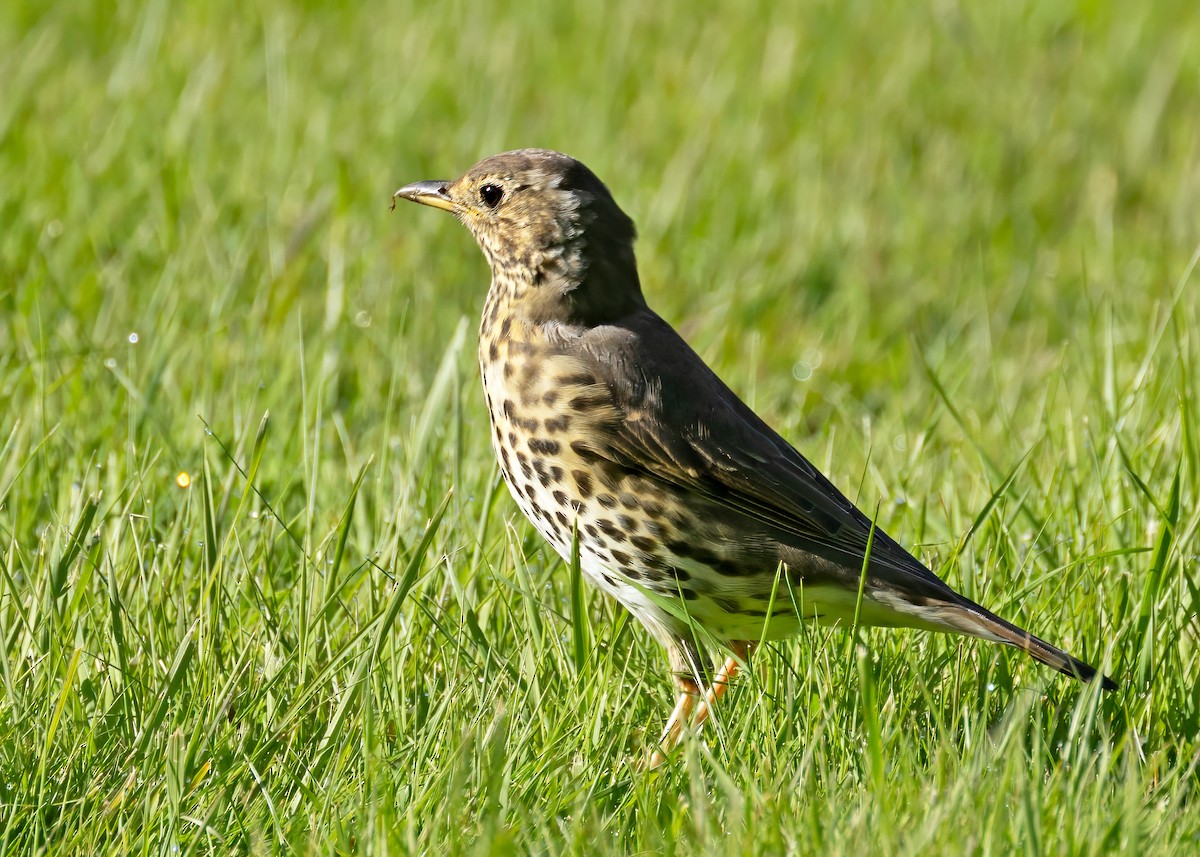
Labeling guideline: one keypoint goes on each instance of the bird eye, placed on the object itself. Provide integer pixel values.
(491, 194)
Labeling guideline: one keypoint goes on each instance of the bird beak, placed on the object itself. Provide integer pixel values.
(427, 193)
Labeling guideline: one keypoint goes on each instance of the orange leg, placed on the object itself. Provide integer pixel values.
(729, 669)
(673, 732)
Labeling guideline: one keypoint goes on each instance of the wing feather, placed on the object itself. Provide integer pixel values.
(686, 428)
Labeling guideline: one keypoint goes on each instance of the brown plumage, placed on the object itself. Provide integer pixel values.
(607, 424)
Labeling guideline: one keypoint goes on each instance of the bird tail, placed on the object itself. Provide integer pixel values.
(979, 622)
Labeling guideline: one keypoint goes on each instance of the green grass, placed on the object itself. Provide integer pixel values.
(946, 251)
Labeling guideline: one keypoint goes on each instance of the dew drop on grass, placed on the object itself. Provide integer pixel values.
(110, 363)
(802, 371)
(133, 338)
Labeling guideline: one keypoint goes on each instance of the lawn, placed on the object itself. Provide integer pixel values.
(261, 589)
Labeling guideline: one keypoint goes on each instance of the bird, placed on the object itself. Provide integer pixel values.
(615, 438)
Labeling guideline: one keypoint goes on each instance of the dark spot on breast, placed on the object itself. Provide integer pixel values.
(680, 522)
(620, 557)
(493, 351)
(512, 439)
(588, 401)
(505, 327)
(611, 530)
(583, 482)
(651, 562)
(523, 460)
(562, 519)
(577, 379)
(608, 501)
(560, 498)
(653, 509)
(557, 424)
(688, 594)
(504, 458)
(629, 501)
(691, 550)
(550, 397)
(585, 452)
(543, 446)
(680, 574)
(642, 543)
(590, 530)
(508, 370)
(628, 523)
(729, 605)
(508, 407)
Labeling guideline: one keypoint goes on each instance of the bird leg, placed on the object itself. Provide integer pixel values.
(672, 733)
(729, 669)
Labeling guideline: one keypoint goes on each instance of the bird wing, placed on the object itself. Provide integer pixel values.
(682, 425)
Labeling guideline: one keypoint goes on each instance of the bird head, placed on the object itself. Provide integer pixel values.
(553, 235)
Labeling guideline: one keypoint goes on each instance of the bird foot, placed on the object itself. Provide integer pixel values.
(673, 732)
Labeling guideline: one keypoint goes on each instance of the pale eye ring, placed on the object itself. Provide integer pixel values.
(491, 195)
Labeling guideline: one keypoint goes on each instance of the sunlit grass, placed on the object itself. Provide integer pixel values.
(947, 252)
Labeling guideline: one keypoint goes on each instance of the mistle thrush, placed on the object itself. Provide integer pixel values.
(612, 431)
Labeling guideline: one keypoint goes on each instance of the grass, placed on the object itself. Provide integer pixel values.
(947, 251)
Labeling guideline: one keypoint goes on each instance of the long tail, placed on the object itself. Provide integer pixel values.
(979, 622)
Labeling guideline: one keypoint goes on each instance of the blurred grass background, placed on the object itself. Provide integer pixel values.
(946, 249)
